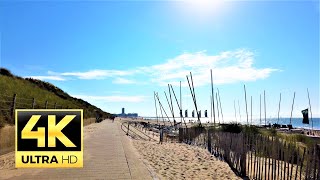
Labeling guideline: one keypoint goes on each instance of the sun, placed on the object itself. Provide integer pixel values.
(204, 7)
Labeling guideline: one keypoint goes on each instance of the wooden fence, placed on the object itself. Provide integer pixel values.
(8, 104)
(256, 156)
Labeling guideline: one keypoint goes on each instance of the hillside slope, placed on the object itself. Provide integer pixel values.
(32, 93)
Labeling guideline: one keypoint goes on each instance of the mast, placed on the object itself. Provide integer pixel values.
(178, 106)
(220, 106)
(239, 111)
(310, 109)
(265, 108)
(155, 105)
(157, 96)
(245, 98)
(294, 95)
(251, 111)
(235, 112)
(193, 96)
(212, 95)
(279, 109)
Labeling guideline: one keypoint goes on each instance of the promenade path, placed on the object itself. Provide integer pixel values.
(108, 154)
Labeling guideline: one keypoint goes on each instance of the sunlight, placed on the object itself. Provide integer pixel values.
(202, 10)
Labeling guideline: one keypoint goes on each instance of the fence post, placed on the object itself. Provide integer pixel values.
(55, 105)
(33, 102)
(128, 129)
(13, 106)
(209, 141)
(46, 105)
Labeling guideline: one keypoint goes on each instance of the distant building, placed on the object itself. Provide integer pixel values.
(130, 115)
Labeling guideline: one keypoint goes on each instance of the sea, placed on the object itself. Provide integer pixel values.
(314, 123)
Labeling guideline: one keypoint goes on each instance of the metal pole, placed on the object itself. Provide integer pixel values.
(194, 96)
(294, 95)
(212, 95)
(239, 111)
(279, 109)
(251, 111)
(245, 98)
(163, 109)
(220, 106)
(155, 105)
(235, 111)
(181, 103)
(265, 108)
(310, 109)
(260, 111)
(178, 106)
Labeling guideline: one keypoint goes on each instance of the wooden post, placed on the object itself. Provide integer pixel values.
(13, 107)
(33, 103)
(55, 105)
(128, 129)
(46, 105)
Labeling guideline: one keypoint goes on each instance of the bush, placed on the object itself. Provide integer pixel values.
(6, 72)
(251, 130)
(272, 131)
(232, 128)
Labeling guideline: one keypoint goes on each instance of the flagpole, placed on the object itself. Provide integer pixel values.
(310, 109)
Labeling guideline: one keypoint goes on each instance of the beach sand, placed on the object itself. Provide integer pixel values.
(182, 161)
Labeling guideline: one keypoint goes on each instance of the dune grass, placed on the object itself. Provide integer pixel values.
(7, 136)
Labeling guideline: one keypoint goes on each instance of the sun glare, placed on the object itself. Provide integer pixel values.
(203, 8)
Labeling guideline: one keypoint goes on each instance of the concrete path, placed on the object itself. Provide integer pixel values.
(108, 154)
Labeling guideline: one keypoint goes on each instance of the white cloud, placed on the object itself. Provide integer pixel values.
(94, 74)
(123, 81)
(117, 98)
(55, 78)
(227, 67)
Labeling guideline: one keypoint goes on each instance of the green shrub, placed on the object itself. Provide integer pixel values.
(251, 130)
(232, 127)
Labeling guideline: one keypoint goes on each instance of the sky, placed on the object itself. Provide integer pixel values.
(115, 54)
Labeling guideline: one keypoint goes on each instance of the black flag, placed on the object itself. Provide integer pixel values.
(305, 116)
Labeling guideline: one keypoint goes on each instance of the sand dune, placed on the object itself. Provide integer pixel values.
(181, 161)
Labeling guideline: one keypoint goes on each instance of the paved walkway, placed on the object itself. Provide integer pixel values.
(108, 154)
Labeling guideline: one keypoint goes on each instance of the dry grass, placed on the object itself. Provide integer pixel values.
(7, 136)
(6, 139)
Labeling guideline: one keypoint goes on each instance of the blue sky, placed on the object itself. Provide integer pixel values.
(115, 54)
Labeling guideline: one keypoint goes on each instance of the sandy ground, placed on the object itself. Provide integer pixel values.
(181, 161)
(7, 160)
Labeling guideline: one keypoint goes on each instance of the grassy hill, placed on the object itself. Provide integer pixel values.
(37, 94)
